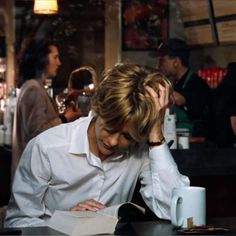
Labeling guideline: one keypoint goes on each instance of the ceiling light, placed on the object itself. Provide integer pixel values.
(45, 6)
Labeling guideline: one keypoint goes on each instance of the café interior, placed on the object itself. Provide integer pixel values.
(98, 33)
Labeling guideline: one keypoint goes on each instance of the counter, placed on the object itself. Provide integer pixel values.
(201, 161)
(150, 228)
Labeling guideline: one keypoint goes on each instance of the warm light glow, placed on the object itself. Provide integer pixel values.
(45, 6)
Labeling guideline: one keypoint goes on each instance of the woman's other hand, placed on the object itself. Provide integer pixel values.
(88, 205)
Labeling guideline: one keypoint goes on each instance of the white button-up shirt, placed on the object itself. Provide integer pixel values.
(57, 171)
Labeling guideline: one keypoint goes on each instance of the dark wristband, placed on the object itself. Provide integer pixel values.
(152, 144)
(63, 118)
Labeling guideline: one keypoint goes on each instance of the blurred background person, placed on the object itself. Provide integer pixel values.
(222, 119)
(83, 79)
(190, 93)
(35, 110)
(82, 82)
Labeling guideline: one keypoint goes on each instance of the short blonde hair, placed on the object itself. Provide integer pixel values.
(121, 97)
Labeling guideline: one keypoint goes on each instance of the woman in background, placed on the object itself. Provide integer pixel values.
(83, 79)
(82, 82)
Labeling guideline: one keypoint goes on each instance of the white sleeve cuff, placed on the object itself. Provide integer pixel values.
(160, 157)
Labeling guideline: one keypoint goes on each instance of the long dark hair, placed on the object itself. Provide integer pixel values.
(33, 60)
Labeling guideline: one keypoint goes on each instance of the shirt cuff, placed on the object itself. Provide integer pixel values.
(161, 157)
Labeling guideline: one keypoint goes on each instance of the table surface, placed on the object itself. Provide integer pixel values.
(145, 228)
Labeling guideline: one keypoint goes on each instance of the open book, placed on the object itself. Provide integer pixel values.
(100, 222)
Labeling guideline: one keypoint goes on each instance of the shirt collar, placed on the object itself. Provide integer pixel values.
(79, 139)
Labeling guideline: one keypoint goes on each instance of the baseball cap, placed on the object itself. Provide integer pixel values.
(174, 47)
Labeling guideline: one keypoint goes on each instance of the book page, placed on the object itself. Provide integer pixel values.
(81, 213)
(114, 210)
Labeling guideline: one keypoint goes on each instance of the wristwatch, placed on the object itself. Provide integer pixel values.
(152, 144)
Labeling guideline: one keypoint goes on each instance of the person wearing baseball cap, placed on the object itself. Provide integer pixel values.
(190, 94)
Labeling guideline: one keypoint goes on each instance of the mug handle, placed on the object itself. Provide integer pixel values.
(173, 213)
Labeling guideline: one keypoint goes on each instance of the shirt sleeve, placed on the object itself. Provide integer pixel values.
(38, 113)
(159, 176)
(26, 206)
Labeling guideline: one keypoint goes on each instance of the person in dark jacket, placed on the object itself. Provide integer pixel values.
(222, 121)
(190, 91)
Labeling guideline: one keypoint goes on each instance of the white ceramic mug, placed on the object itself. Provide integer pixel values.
(188, 207)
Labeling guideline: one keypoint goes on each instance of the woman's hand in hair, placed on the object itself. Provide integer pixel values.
(161, 101)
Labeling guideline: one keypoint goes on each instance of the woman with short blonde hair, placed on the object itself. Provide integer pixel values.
(96, 161)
